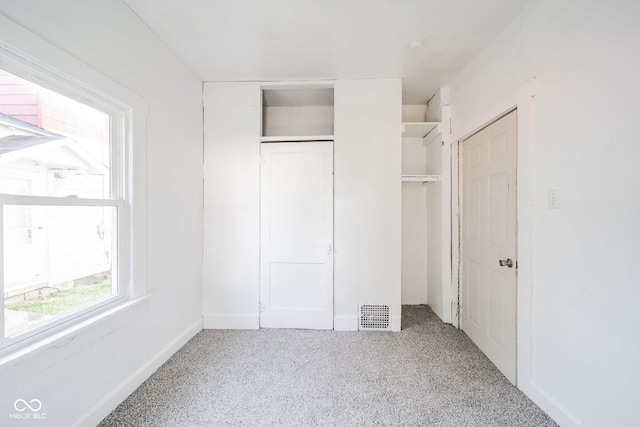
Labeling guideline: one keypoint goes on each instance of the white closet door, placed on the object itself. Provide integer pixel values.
(296, 235)
(489, 242)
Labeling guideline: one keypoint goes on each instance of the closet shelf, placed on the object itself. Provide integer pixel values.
(421, 178)
(418, 129)
(297, 138)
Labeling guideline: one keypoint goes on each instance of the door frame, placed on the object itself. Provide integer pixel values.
(522, 99)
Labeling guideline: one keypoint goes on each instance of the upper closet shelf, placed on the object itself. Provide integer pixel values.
(298, 138)
(421, 178)
(418, 129)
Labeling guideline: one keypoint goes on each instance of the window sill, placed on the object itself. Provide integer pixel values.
(78, 335)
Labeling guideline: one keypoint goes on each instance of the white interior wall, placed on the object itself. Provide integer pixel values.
(414, 113)
(231, 205)
(414, 161)
(414, 221)
(80, 379)
(583, 325)
(297, 120)
(433, 203)
(367, 192)
(433, 112)
(368, 129)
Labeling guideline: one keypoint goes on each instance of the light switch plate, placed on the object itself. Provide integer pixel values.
(553, 199)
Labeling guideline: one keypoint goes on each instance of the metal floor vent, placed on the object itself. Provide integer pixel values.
(374, 317)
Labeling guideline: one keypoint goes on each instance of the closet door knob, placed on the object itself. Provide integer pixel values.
(506, 262)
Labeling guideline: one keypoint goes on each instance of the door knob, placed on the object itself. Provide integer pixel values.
(508, 262)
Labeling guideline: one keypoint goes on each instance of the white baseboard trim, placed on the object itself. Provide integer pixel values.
(395, 323)
(237, 321)
(107, 404)
(345, 323)
(549, 405)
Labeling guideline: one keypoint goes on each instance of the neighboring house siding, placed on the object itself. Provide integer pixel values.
(21, 266)
(48, 110)
(51, 246)
(62, 117)
(75, 247)
(19, 100)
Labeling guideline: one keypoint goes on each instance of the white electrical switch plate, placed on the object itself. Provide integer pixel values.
(553, 199)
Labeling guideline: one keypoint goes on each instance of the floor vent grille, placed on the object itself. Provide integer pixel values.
(373, 317)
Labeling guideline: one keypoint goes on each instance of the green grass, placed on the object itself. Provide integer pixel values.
(64, 301)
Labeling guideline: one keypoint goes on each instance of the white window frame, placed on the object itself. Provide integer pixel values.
(121, 174)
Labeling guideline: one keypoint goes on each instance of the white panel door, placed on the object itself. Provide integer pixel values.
(489, 242)
(296, 235)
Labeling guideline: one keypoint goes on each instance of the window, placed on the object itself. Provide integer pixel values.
(63, 200)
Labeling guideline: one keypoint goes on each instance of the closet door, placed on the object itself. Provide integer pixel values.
(296, 235)
(489, 280)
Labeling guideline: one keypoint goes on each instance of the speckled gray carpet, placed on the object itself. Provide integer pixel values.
(427, 374)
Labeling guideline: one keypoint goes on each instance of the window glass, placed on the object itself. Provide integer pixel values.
(58, 211)
(61, 145)
(65, 266)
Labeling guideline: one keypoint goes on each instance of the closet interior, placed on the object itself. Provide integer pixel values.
(426, 204)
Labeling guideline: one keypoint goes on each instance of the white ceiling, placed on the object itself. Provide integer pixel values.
(270, 40)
